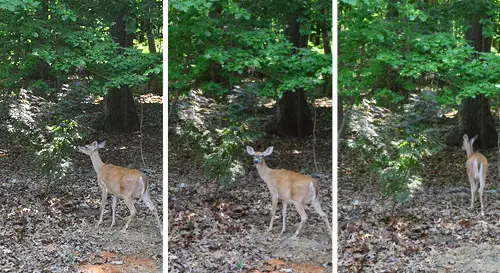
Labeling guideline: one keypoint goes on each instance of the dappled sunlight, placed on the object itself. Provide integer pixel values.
(146, 98)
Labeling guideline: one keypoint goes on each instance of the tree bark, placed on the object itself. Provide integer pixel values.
(294, 116)
(121, 113)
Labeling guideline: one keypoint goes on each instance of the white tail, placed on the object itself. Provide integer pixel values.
(290, 187)
(119, 182)
(477, 170)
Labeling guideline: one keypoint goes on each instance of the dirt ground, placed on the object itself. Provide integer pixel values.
(229, 235)
(54, 229)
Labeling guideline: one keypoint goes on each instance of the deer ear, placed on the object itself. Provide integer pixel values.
(250, 150)
(101, 145)
(473, 139)
(268, 151)
(466, 138)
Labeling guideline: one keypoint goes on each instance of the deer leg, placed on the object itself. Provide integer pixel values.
(284, 217)
(323, 215)
(473, 188)
(104, 196)
(303, 218)
(113, 209)
(133, 212)
(274, 200)
(147, 200)
(481, 190)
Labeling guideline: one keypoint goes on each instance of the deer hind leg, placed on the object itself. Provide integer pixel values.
(113, 209)
(473, 189)
(323, 215)
(303, 218)
(274, 205)
(133, 212)
(284, 218)
(147, 200)
(481, 190)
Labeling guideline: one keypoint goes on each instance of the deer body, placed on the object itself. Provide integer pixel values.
(119, 182)
(290, 187)
(477, 170)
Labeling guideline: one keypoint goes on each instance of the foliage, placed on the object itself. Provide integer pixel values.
(397, 180)
(49, 49)
(389, 48)
(215, 44)
(396, 145)
(48, 137)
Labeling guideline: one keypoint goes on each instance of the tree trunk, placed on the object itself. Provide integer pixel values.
(476, 118)
(151, 39)
(294, 116)
(326, 35)
(475, 115)
(121, 113)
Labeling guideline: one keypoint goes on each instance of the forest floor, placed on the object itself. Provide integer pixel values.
(434, 232)
(227, 233)
(54, 229)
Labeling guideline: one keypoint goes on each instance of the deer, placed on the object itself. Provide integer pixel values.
(125, 183)
(290, 187)
(477, 170)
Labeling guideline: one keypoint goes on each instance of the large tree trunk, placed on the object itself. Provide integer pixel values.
(294, 116)
(475, 115)
(121, 114)
(121, 111)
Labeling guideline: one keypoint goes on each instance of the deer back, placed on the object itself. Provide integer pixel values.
(292, 186)
(122, 181)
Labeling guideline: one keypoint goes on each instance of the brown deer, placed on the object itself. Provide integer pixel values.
(290, 187)
(119, 182)
(477, 170)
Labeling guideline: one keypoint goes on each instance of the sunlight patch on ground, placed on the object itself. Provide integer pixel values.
(115, 262)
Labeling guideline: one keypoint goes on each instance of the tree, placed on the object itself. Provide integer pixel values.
(475, 114)
(121, 113)
(294, 117)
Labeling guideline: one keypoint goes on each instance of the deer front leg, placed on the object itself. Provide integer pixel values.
(104, 196)
(130, 204)
(274, 201)
(284, 217)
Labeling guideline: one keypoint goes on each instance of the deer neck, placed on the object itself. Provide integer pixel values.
(96, 161)
(263, 170)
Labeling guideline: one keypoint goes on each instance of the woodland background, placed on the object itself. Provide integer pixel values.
(73, 72)
(413, 78)
(246, 73)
